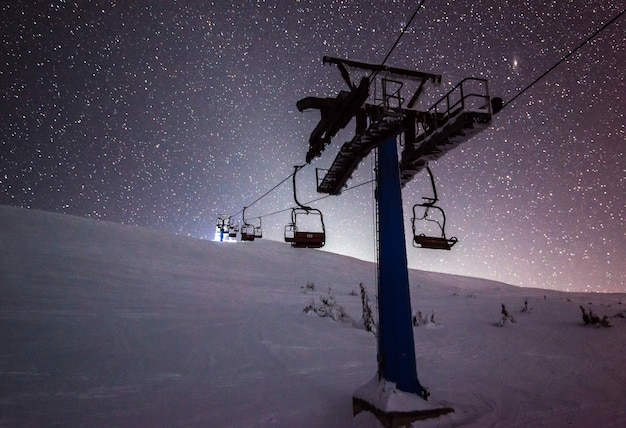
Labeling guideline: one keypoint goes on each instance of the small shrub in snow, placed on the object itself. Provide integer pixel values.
(327, 307)
(506, 317)
(310, 307)
(589, 318)
(420, 319)
(310, 286)
(526, 309)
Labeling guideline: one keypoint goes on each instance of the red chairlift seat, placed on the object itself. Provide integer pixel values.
(434, 242)
(309, 240)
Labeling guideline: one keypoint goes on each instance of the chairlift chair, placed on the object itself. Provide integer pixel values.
(233, 228)
(248, 232)
(222, 223)
(290, 233)
(305, 238)
(421, 240)
(258, 230)
(298, 238)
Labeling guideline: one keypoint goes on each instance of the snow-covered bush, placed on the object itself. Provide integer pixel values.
(589, 318)
(419, 319)
(506, 317)
(310, 286)
(526, 309)
(328, 307)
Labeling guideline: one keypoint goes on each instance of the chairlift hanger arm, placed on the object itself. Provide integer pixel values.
(243, 216)
(295, 196)
(435, 198)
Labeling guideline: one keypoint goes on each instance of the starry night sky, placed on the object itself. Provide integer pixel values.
(166, 114)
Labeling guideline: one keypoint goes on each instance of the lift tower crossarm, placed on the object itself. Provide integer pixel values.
(377, 68)
(389, 71)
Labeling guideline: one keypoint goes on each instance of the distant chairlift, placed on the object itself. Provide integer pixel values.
(258, 230)
(222, 223)
(421, 240)
(298, 238)
(233, 228)
(248, 231)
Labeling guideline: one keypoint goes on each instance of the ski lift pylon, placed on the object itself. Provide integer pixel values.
(421, 240)
(297, 237)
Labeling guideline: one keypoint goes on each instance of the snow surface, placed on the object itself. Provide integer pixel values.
(109, 325)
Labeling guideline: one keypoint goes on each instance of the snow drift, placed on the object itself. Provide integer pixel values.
(103, 324)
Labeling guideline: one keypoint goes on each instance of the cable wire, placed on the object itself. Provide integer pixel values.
(264, 195)
(570, 53)
(375, 73)
(313, 200)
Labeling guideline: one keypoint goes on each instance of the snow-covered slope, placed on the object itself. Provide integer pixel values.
(109, 325)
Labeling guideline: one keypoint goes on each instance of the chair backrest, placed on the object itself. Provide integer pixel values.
(290, 233)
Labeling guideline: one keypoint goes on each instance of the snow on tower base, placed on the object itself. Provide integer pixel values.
(393, 407)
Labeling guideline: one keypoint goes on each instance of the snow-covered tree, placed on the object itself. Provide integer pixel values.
(368, 318)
